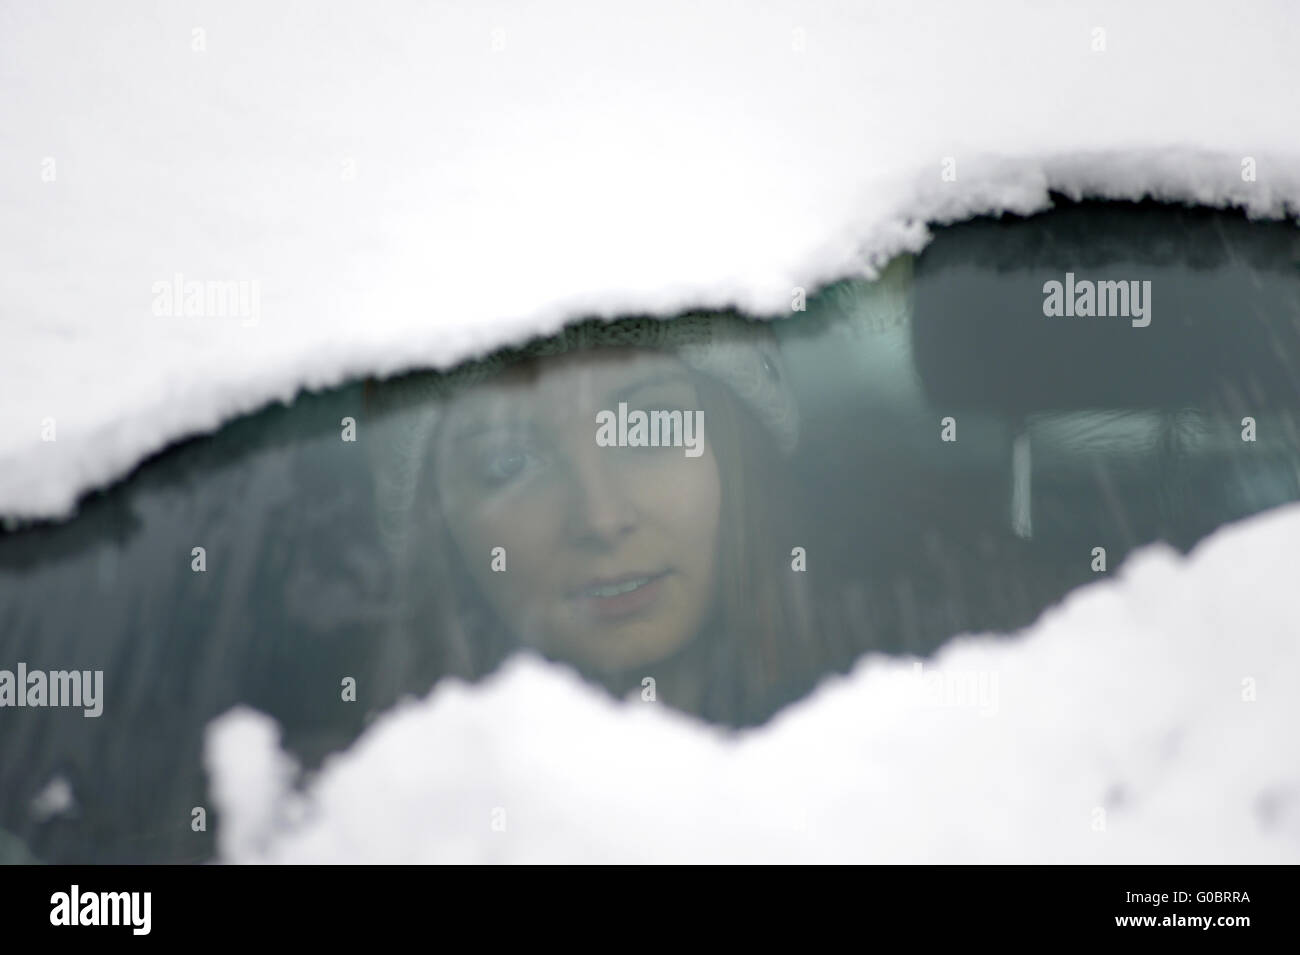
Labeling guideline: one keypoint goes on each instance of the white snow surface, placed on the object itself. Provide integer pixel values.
(1147, 718)
(411, 184)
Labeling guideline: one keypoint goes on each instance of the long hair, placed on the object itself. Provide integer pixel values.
(751, 654)
(760, 647)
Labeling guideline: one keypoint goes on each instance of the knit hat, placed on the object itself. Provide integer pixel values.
(739, 353)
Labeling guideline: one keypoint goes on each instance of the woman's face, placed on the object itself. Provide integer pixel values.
(610, 553)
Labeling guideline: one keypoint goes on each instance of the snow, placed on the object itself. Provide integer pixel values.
(252, 773)
(56, 799)
(1147, 718)
(413, 184)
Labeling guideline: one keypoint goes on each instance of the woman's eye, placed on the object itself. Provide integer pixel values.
(504, 465)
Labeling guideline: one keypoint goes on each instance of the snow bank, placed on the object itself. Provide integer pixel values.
(412, 184)
(1149, 718)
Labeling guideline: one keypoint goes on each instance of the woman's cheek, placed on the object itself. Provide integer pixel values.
(685, 495)
(528, 538)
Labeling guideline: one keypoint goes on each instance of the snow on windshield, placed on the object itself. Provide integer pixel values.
(208, 209)
(1122, 728)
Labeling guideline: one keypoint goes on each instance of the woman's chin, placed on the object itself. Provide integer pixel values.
(618, 646)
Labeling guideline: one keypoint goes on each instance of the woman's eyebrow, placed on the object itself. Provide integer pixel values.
(672, 376)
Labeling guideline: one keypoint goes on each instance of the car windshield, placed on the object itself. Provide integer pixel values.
(713, 511)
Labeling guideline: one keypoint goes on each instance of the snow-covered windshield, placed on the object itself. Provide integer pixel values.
(712, 513)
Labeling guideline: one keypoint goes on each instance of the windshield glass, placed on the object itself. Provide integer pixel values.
(710, 512)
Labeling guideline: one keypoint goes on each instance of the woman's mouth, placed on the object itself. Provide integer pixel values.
(615, 598)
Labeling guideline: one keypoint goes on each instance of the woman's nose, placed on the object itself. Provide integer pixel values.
(601, 510)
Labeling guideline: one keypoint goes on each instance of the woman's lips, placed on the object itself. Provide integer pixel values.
(617, 598)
